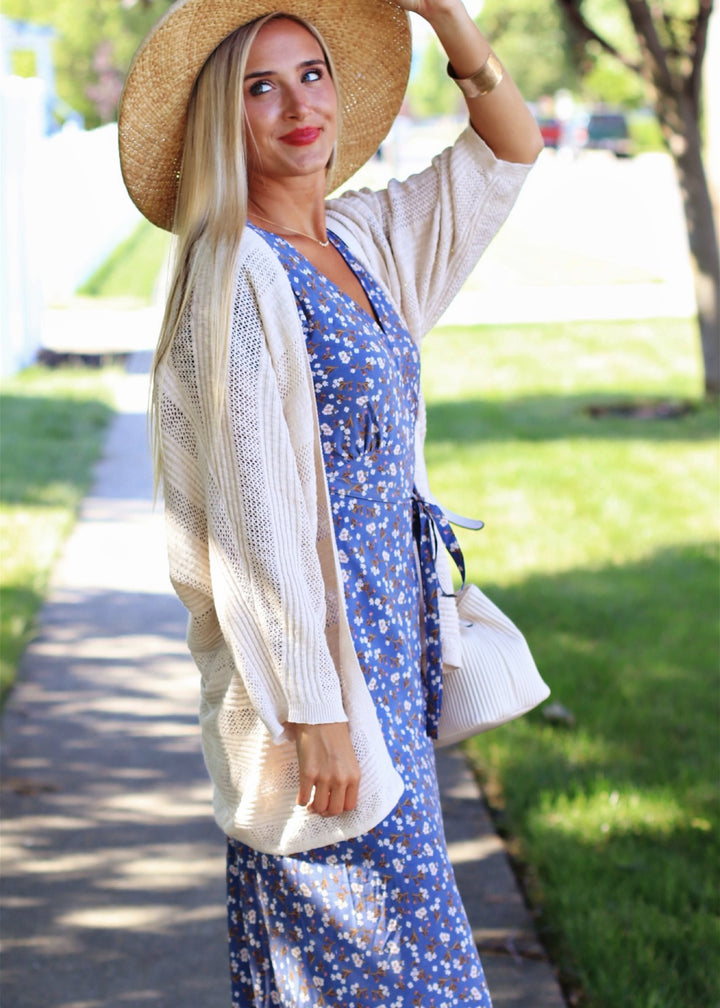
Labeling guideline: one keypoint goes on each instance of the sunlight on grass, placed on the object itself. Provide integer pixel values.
(53, 422)
(623, 500)
(131, 271)
(509, 414)
(610, 813)
(31, 533)
(654, 357)
(601, 541)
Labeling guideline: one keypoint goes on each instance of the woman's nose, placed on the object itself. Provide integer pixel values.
(295, 102)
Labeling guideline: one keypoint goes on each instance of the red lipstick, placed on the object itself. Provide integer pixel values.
(302, 136)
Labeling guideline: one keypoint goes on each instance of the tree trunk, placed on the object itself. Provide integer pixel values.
(676, 83)
(685, 143)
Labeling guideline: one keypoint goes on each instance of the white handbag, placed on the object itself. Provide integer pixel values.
(498, 679)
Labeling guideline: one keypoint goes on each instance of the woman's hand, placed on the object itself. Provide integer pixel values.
(425, 8)
(329, 766)
(501, 117)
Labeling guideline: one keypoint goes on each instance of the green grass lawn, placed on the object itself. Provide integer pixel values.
(601, 542)
(51, 432)
(131, 272)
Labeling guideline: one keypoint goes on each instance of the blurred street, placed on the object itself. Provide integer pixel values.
(591, 237)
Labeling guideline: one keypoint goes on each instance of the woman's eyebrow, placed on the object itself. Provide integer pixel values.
(270, 73)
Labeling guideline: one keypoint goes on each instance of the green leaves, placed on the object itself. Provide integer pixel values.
(108, 31)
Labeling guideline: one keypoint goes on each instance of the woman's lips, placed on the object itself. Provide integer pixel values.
(301, 137)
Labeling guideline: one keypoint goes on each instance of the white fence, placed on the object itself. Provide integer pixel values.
(64, 209)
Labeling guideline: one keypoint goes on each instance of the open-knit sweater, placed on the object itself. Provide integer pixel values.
(251, 547)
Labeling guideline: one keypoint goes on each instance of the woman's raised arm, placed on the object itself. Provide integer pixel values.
(498, 112)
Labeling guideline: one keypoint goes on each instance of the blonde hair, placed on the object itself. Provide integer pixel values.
(211, 209)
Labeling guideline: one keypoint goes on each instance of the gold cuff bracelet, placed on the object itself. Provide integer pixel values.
(482, 81)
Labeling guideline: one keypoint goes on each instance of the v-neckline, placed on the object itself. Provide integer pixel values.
(340, 247)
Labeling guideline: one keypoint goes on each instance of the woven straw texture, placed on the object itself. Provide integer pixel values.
(369, 41)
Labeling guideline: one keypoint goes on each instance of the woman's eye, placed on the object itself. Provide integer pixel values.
(312, 75)
(260, 87)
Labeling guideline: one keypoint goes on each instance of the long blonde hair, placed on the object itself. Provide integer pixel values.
(211, 209)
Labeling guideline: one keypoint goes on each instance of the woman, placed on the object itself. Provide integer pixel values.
(289, 434)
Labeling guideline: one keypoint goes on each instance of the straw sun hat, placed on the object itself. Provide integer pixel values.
(369, 41)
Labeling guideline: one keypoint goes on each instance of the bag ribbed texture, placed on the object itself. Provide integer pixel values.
(251, 548)
(497, 680)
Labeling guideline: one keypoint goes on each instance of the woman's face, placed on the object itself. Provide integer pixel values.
(290, 104)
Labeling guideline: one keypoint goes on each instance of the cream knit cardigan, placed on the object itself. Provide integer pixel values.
(251, 548)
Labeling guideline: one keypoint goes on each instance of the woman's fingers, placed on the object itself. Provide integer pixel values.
(329, 770)
(351, 796)
(334, 799)
(305, 792)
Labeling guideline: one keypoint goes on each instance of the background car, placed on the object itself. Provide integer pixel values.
(608, 131)
(551, 130)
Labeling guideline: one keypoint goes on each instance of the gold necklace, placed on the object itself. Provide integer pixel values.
(322, 244)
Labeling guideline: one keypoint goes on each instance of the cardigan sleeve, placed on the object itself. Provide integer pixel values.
(422, 237)
(263, 583)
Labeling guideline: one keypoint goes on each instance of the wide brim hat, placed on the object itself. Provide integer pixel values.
(369, 41)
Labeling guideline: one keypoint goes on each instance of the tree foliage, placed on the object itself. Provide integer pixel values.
(535, 44)
(94, 45)
(544, 54)
(430, 93)
(607, 82)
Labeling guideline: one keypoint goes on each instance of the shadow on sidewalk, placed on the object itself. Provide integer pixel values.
(113, 885)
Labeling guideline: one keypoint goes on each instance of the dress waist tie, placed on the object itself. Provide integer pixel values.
(429, 521)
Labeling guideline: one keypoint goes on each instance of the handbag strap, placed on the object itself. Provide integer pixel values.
(429, 521)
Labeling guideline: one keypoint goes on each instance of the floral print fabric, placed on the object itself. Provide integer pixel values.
(377, 921)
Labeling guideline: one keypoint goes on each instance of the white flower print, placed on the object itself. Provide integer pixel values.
(360, 923)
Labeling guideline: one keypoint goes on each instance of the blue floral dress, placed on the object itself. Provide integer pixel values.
(377, 921)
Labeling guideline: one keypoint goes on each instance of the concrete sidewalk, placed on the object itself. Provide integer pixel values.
(113, 873)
